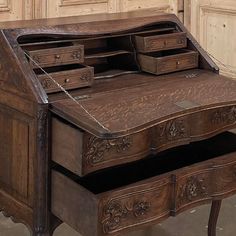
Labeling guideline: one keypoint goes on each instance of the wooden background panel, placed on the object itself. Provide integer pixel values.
(34, 9)
(213, 23)
(16, 10)
(56, 8)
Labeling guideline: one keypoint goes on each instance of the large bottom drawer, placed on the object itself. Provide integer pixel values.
(143, 193)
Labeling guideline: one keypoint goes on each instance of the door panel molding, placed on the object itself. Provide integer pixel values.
(213, 23)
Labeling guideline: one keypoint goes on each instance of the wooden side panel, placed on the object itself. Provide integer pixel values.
(67, 146)
(15, 173)
(213, 23)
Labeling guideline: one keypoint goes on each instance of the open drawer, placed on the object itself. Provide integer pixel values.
(145, 192)
(140, 120)
(68, 76)
(56, 54)
(168, 61)
(153, 42)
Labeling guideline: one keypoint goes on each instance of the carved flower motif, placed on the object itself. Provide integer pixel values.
(224, 115)
(115, 211)
(97, 147)
(46, 83)
(193, 188)
(141, 208)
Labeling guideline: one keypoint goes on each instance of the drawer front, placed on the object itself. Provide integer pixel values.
(177, 63)
(110, 212)
(162, 65)
(83, 153)
(142, 203)
(154, 43)
(68, 79)
(135, 207)
(226, 178)
(101, 153)
(180, 131)
(57, 56)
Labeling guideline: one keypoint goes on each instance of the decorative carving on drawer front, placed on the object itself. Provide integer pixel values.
(96, 148)
(114, 211)
(172, 130)
(85, 77)
(47, 83)
(224, 115)
(192, 188)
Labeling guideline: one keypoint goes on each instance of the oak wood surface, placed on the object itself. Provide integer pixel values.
(111, 127)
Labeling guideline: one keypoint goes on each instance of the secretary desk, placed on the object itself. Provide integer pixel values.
(111, 123)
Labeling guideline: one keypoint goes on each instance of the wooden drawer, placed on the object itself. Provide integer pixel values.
(57, 56)
(115, 200)
(153, 43)
(102, 213)
(83, 153)
(69, 77)
(168, 61)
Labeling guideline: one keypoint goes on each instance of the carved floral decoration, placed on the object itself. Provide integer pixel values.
(192, 188)
(172, 130)
(115, 211)
(96, 147)
(224, 115)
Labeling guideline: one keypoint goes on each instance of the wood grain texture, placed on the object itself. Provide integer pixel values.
(211, 19)
(143, 114)
(122, 207)
(157, 101)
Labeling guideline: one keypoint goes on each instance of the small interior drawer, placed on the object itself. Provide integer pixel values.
(60, 55)
(144, 192)
(152, 42)
(168, 61)
(69, 77)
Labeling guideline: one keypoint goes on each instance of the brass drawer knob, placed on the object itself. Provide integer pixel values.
(67, 80)
(178, 63)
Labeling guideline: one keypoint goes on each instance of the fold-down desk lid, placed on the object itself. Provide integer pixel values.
(120, 112)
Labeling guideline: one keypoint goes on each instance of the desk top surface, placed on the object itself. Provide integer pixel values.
(126, 110)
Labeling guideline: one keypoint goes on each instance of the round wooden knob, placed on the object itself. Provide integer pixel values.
(57, 56)
(178, 63)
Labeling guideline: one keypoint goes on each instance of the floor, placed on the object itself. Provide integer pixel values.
(190, 223)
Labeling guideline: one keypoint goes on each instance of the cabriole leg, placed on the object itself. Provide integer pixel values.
(215, 210)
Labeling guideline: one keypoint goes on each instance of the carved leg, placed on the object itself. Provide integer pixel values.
(215, 210)
(41, 218)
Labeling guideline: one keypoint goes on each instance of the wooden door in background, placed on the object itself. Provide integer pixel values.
(16, 10)
(33, 9)
(57, 8)
(213, 23)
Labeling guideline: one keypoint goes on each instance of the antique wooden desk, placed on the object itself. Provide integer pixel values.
(111, 123)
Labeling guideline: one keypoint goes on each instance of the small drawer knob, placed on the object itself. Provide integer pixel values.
(57, 56)
(67, 80)
(178, 63)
